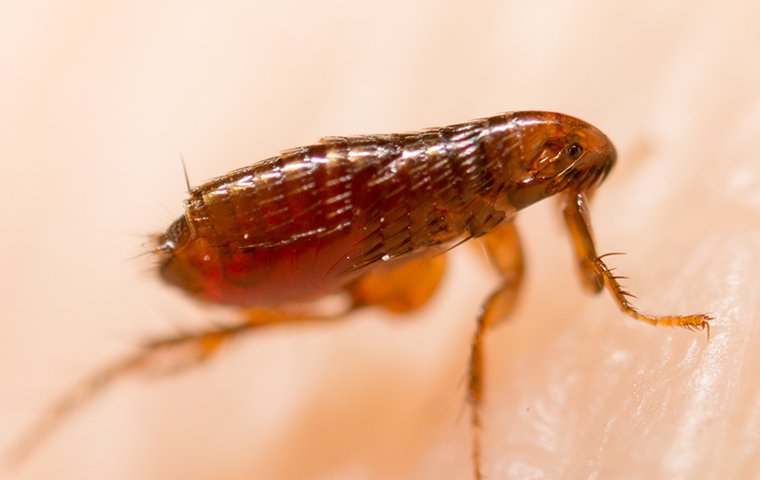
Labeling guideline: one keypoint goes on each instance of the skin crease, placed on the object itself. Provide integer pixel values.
(102, 98)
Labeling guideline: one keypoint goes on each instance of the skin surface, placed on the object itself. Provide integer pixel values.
(100, 98)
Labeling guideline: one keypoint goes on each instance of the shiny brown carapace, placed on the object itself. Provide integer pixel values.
(369, 218)
(314, 219)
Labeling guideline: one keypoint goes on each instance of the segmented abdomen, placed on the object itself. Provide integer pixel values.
(332, 208)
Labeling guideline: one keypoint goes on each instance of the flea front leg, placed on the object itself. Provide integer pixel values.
(596, 274)
(505, 253)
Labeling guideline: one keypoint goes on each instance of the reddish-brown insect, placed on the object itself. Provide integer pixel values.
(370, 216)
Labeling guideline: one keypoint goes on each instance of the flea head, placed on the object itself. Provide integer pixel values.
(547, 153)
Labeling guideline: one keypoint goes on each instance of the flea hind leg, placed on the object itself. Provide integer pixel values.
(161, 356)
(597, 275)
(504, 251)
(401, 288)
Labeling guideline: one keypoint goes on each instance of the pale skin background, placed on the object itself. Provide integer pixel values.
(97, 101)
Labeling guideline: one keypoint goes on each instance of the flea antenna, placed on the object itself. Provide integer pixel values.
(184, 170)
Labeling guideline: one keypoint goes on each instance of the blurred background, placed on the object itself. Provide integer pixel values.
(99, 99)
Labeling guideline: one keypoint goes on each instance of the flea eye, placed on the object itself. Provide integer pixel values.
(575, 151)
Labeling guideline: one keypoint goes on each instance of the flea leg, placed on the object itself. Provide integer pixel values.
(578, 222)
(160, 356)
(401, 288)
(596, 274)
(503, 247)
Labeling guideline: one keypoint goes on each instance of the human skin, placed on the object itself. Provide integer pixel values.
(99, 100)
